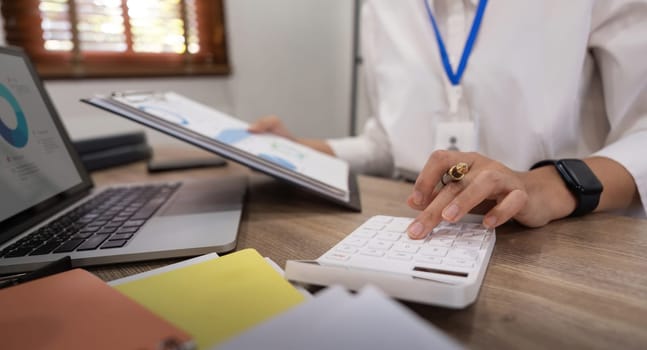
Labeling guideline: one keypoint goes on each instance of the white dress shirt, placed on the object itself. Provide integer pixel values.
(547, 79)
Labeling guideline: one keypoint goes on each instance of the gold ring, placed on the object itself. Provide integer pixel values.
(458, 171)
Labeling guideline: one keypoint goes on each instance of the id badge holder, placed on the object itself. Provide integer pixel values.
(458, 131)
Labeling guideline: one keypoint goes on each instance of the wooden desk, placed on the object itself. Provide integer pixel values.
(576, 283)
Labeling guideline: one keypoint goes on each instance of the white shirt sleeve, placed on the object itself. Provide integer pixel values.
(368, 153)
(619, 46)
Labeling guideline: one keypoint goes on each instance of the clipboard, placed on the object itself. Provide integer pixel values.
(227, 136)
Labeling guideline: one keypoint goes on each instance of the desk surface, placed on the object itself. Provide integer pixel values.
(575, 283)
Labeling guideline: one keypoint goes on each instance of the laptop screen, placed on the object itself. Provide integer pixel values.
(37, 164)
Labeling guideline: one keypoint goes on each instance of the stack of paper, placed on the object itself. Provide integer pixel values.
(335, 319)
(214, 298)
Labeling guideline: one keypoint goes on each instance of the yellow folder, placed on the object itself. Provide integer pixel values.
(218, 298)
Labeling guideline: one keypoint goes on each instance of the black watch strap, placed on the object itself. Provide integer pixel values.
(580, 181)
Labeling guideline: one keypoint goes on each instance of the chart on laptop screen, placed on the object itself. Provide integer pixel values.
(35, 162)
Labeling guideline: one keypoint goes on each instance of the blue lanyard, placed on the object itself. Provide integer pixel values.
(455, 78)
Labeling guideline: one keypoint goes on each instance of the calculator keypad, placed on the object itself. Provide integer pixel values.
(381, 243)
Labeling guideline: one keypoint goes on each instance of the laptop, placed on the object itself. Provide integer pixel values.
(49, 207)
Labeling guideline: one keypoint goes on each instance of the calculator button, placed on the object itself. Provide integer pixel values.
(356, 242)
(372, 226)
(397, 227)
(365, 233)
(445, 224)
(406, 239)
(468, 244)
(400, 256)
(475, 236)
(471, 226)
(441, 242)
(406, 248)
(389, 236)
(382, 245)
(429, 260)
(345, 248)
(401, 222)
(444, 233)
(468, 254)
(459, 262)
(372, 252)
(434, 251)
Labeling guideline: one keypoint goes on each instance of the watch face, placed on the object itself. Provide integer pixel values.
(581, 175)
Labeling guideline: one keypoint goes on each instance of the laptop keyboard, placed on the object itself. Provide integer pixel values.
(109, 220)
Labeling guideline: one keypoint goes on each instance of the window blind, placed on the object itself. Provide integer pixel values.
(91, 38)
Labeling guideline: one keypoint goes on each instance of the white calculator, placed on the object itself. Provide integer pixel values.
(446, 268)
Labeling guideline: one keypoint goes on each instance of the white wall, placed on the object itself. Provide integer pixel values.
(289, 57)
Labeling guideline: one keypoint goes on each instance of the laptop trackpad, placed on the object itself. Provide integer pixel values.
(214, 195)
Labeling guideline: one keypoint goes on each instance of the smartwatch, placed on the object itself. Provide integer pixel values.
(580, 180)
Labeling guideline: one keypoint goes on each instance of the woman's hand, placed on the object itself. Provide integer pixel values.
(273, 125)
(532, 198)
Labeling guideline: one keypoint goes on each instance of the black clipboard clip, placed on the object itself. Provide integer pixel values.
(61, 265)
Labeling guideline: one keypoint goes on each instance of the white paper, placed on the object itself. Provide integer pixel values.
(335, 319)
(211, 123)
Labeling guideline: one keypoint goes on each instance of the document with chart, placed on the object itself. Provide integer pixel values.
(227, 136)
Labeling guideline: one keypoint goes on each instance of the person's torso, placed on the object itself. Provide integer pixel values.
(530, 84)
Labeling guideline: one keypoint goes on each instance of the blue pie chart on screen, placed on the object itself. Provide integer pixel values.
(19, 136)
